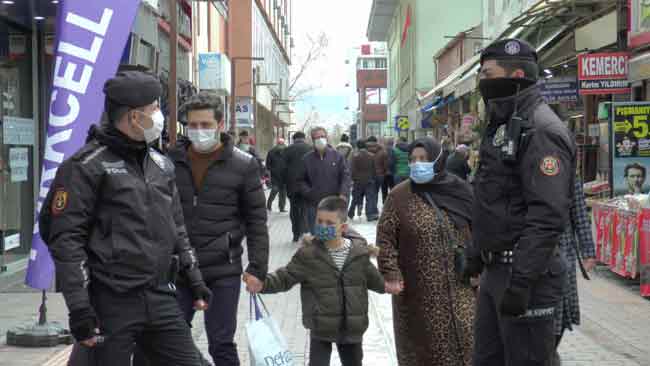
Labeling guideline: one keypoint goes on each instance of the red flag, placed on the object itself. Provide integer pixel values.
(407, 24)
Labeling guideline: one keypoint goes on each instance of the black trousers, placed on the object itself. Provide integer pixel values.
(276, 188)
(298, 215)
(528, 340)
(320, 353)
(149, 319)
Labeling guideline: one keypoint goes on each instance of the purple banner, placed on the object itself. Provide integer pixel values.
(91, 35)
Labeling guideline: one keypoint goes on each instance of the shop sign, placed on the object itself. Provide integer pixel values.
(18, 164)
(244, 113)
(18, 131)
(603, 73)
(11, 242)
(559, 90)
(402, 123)
(466, 125)
(211, 71)
(630, 147)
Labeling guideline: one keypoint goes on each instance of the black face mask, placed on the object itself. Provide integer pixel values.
(502, 87)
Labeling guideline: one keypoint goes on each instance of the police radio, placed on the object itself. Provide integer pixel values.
(513, 134)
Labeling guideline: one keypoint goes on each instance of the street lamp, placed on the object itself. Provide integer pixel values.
(233, 86)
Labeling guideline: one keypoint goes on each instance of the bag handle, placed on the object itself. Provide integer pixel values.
(259, 314)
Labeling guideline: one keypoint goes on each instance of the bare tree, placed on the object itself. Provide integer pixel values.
(317, 45)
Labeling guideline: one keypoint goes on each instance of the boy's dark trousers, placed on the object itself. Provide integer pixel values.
(320, 352)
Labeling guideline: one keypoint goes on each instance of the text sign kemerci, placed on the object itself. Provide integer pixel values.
(603, 73)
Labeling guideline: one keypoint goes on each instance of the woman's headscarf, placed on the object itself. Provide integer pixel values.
(448, 191)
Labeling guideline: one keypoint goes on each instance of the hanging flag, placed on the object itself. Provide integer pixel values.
(407, 25)
(90, 41)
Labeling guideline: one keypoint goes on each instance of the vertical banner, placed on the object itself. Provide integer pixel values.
(90, 40)
(630, 147)
(644, 251)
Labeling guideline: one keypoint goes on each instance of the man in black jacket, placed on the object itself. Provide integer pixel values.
(293, 156)
(276, 165)
(325, 174)
(457, 163)
(112, 221)
(223, 202)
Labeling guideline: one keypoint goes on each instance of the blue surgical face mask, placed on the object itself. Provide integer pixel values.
(325, 233)
(423, 171)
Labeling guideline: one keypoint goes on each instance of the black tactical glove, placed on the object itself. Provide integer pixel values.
(516, 298)
(473, 267)
(201, 292)
(83, 324)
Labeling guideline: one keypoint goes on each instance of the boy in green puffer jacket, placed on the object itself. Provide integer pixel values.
(399, 165)
(334, 271)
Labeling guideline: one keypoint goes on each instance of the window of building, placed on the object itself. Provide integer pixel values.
(376, 96)
(381, 64)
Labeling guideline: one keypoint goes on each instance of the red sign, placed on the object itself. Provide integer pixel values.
(603, 73)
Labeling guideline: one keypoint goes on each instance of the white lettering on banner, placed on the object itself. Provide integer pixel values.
(84, 54)
(68, 81)
(87, 24)
(62, 121)
(280, 359)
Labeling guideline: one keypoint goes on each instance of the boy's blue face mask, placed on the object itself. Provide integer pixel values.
(325, 233)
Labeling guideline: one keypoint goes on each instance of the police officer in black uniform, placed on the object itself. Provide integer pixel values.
(113, 223)
(522, 197)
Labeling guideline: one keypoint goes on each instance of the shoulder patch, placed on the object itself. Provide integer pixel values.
(59, 201)
(550, 166)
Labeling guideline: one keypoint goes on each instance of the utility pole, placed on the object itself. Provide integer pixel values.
(173, 86)
(233, 88)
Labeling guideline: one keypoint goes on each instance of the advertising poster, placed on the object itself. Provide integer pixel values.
(244, 112)
(603, 73)
(559, 90)
(630, 147)
(639, 27)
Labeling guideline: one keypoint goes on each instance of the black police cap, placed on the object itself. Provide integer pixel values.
(133, 89)
(509, 49)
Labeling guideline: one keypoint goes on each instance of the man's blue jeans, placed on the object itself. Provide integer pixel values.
(220, 318)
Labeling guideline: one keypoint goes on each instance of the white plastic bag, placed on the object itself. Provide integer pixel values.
(266, 344)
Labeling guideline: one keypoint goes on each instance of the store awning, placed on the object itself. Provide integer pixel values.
(443, 86)
(381, 15)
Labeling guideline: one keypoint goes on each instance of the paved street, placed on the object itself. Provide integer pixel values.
(615, 329)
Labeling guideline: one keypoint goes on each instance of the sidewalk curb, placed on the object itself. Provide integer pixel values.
(61, 358)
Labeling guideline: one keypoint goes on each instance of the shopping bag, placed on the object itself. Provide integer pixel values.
(266, 344)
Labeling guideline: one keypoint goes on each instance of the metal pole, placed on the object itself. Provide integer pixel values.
(173, 94)
(233, 85)
(255, 105)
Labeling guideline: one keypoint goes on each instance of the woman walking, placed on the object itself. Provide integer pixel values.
(422, 231)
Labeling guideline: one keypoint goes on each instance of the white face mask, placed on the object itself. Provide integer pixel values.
(321, 143)
(203, 140)
(153, 133)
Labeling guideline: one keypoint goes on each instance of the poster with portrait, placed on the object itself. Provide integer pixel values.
(630, 148)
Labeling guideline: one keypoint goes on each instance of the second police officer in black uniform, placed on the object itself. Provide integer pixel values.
(113, 222)
(522, 198)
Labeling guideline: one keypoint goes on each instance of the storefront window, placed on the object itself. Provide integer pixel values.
(17, 138)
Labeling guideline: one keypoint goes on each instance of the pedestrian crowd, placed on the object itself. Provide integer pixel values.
(481, 263)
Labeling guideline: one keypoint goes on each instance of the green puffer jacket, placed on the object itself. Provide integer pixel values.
(334, 303)
(401, 156)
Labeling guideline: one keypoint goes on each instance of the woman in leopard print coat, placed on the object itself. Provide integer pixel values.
(419, 227)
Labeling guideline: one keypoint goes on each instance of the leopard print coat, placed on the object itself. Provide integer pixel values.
(415, 247)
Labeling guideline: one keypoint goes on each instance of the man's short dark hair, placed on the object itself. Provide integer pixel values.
(298, 136)
(345, 138)
(243, 133)
(530, 69)
(361, 144)
(636, 166)
(202, 100)
(335, 204)
(372, 139)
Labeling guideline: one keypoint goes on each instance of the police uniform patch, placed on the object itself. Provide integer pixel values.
(499, 136)
(550, 166)
(512, 48)
(59, 202)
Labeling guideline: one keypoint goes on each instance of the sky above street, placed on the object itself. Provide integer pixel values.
(344, 22)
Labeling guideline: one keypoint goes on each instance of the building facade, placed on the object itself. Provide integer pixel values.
(372, 82)
(415, 30)
(261, 29)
